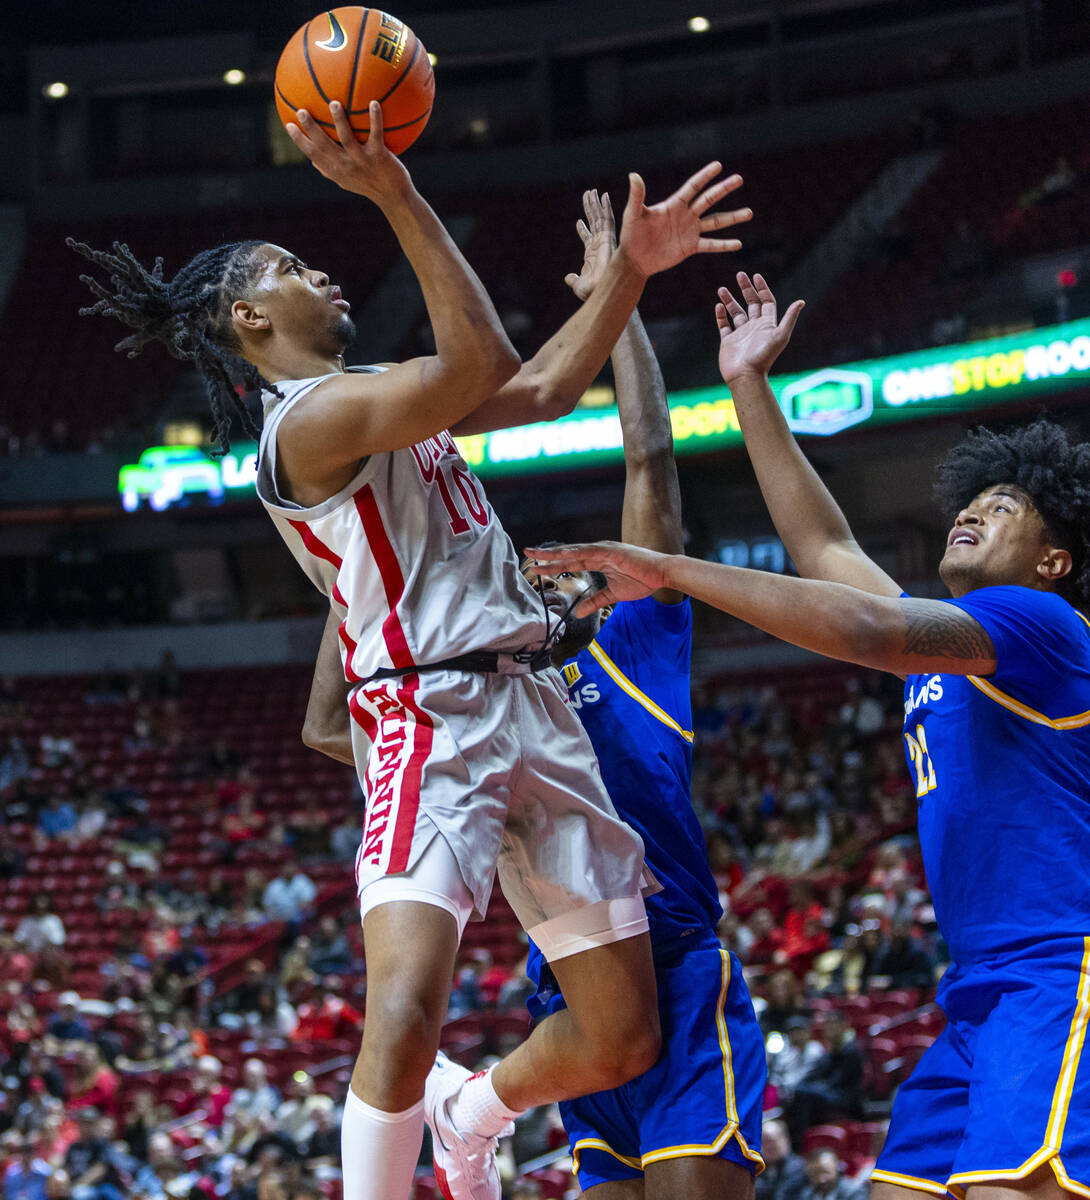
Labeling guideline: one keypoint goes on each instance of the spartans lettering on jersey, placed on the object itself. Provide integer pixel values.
(930, 689)
(587, 694)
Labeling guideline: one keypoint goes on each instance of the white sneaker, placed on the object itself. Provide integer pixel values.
(464, 1164)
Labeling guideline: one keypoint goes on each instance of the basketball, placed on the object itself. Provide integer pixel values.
(356, 55)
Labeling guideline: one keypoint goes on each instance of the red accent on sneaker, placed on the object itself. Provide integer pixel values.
(441, 1182)
(478, 1075)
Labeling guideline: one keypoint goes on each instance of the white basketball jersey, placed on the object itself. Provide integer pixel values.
(410, 554)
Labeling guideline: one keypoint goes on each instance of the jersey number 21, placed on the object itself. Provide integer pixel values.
(921, 760)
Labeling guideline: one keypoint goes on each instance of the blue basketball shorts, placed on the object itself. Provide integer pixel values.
(1006, 1086)
(705, 1094)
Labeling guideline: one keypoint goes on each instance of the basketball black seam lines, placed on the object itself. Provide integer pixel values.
(356, 64)
(355, 128)
(310, 66)
(397, 81)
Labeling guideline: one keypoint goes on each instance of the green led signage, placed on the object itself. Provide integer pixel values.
(948, 379)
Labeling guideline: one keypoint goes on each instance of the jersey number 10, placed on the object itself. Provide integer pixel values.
(472, 499)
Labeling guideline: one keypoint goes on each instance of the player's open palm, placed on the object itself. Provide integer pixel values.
(366, 168)
(631, 572)
(658, 237)
(598, 234)
(751, 338)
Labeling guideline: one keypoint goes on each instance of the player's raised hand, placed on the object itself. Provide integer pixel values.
(631, 572)
(751, 338)
(366, 168)
(659, 237)
(598, 234)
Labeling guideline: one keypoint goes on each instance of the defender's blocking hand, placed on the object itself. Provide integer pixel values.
(750, 338)
(659, 237)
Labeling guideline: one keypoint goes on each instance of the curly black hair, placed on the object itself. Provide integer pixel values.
(1052, 471)
(190, 315)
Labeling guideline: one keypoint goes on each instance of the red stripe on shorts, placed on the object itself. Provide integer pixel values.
(423, 735)
(315, 544)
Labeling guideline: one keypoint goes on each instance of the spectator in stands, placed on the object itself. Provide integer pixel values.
(139, 1122)
(833, 1085)
(344, 840)
(800, 1052)
(784, 1176)
(57, 817)
(323, 1147)
(329, 949)
(57, 750)
(90, 819)
(59, 1185)
(15, 764)
(784, 1001)
(163, 1174)
(65, 1030)
(95, 1082)
(297, 1116)
(92, 1163)
(903, 962)
(295, 966)
(289, 896)
(244, 823)
(256, 1096)
(766, 939)
(26, 1175)
(208, 1093)
(904, 899)
(329, 1017)
(825, 1178)
(188, 962)
(142, 843)
(124, 798)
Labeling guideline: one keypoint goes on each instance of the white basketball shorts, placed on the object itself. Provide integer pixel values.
(498, 767)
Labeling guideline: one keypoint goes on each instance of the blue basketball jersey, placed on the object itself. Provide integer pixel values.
(1002, 773)
(631, 690)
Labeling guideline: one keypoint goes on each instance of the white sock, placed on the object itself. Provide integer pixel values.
(379, 1150)
(477, 1109)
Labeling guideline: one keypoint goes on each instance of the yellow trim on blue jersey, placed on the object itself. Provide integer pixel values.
(625, 684)
(606, 1148)
(909, 1181)
(730, 1130)
(571, 672)
(1065, 1181)
(1061, 1099)
(1023, 710)
(1065, 1085)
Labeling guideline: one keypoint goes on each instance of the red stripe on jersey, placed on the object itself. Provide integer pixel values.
(315, 544)
(338, 595)
(389, 569)
(349, 651)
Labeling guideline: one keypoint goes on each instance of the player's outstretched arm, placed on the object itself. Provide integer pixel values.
(653, 239)
(350, 416)
(327, 724)
(806, 516)
(901, 636)
(651, 513)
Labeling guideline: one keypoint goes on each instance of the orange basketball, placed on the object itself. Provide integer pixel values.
(356, 55)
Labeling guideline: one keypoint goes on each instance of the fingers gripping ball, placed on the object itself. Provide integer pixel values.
(356, 55)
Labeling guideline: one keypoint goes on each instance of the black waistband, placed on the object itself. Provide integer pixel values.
(481, 662)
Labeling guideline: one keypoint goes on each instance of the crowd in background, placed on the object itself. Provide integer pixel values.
(808, 813)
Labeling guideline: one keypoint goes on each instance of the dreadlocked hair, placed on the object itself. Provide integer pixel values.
(190, 315)
(1052, 471)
